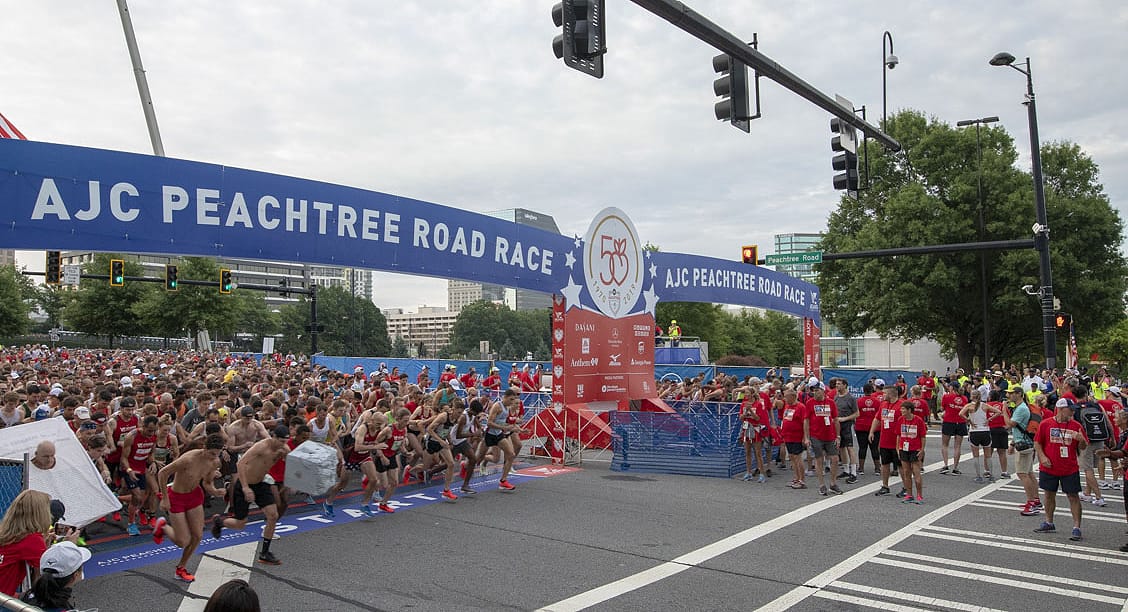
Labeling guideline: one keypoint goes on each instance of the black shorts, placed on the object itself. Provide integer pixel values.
(954, 429)
(433, 447)
(1070, 485)
(795, 448)
(889, 456)
(381, 467)
(493, 439)
(462, 448)
(846, 435)
(1000, 440)
(132, 483)
(240, 507)
(909, 456)
(979, 438)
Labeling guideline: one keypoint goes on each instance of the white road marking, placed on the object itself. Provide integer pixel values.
(1042, 550)
(1006, 571)
(1086, 514)
(217, 568)
(999, 580)
(813, 585)
(930, 601)
(1007, 538)
(868, 603)
(696, 557)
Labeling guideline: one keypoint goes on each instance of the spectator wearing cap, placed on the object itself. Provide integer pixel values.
(60, 569)
(1111, 404)
(493, 381)
(469, 380)
(423, 380)
(1057, 444)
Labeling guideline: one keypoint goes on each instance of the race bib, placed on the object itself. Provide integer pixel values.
(826, 420)
(905, 446)
(1064, 450)
(885, 424)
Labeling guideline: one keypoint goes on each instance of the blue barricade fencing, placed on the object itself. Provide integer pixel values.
(697, 444)
(13, 480)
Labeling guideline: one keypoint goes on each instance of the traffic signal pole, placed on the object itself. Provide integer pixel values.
(706, 31)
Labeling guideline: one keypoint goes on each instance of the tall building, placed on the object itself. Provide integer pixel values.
(258, 272)
(786, 244)
(460, 293)
(431, 325)
(7, 257)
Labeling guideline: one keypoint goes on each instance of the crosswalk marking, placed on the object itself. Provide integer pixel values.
(1087, 514)
(867, 603)
(1008, 538)
(1034, 549)
(1006, 571)
(931, 601)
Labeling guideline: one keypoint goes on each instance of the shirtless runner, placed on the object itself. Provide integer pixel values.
(192, 473)
(252, 486)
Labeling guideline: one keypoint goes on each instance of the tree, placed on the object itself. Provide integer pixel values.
(53, 301)
(421, 350)
(928, 195)
(1112, 344)
(100, 309)
(13, 308)
(696, 319)
(353, 325)
(192, 309)
(521, 331)
(399, 347)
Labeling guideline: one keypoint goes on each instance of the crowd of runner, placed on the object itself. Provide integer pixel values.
(222, 426)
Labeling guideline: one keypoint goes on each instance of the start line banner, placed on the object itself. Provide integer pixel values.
(56, 196)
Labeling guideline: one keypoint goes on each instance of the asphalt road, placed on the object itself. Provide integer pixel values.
(613, 541)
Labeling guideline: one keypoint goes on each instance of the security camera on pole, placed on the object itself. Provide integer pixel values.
(845, 144)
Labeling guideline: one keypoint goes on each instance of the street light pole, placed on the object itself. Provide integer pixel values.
(982, 229)
(1041, 228)
(888, 62)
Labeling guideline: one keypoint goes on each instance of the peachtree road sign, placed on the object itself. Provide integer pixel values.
(810, 257)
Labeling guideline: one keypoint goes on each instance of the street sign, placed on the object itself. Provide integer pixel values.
(72, 273)
(785, 259)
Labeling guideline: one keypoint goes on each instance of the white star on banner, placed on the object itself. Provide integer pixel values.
(571, 293)
(651, 300)
(653, 270)
(569, 259)
(578, 241)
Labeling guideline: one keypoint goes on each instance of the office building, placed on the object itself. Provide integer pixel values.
(786, 244)
(430, 325)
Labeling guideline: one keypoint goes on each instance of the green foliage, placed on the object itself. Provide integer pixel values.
(1112, 345)
(929, 195)
(100, 309)
(511, 333)
(13, 307)
(354, 326)
(399, 347)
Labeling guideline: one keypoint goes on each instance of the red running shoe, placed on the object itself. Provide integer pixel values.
(158, 536)
(505, 486)
(182, 574)
(386, 508)
(449, 495)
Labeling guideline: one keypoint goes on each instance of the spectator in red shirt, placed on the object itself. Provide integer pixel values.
(423, 380)
(952, 425)
(821, 430)
(1057, 443)
(885, 427)
(868, 406)
(793, 418)
(23, 533)
(911, 429)
(493, 381)
(469, 379)
(449, 374)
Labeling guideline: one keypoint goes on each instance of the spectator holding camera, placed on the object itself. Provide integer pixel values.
(23, 539)
(60, 569)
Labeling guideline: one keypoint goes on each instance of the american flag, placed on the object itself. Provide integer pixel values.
(1071, 354)
(7, 130)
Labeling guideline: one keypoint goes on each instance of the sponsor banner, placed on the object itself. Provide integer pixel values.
(608, 359)
(555, 434)
(59, 196)
(812, 355)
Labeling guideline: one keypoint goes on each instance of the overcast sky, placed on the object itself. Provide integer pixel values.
(463, 103)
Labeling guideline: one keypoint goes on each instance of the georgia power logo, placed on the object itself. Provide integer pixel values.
(613, 263)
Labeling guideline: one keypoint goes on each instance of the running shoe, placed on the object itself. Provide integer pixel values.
(310, 500)
(326, 510)
(1075, 535)
(861, 471)
(798, 484)
(908, 500)
(760, 479)
(217, 526)
(449, 495)
(268, 558)
(920, 500)
(979, 480)
(987, 475)
(1004, 475)
(903, 492)
(770, 474)
(1029, 509)
(882, 491)
(1045, 528)
(1116, 486)
(822, 490)
(944, 470)
(133, 530)
(1104, 484)
(851, 479)
(366, 511)
(117, 516)
(810, 473)
(1085, 498)
(467, 491)
(1124, 548)
(843, 475)
(747, 477)
(386, 508)
(1037, 503)
(505, 486)
(1099, 501)
(834, 489)
(182, 574)
(158, 531)
(956, 471)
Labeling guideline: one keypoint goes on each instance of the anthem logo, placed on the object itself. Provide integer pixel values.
(613, 267)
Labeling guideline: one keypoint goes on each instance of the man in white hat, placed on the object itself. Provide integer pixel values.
(493, 381)
(1057, 444)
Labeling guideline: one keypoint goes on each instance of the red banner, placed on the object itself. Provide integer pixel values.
(553, 428)
(812, 353)
(605, 358)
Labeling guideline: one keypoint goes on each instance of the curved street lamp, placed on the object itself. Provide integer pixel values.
(888, 62)
(1041, 228)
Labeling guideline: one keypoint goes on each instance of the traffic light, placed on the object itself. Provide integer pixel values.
(170, 278)
(732, 87)
(1061, 320)
(224, 280)
(117, 272)
(581, 44)
(846, 162)
(54, 269)
(750, 254)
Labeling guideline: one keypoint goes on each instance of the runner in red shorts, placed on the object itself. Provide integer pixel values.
(192, 473)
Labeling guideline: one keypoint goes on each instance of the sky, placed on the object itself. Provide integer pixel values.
(464, 104)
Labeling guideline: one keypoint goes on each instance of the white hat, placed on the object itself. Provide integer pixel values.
(64, 558)
(358, 368)
(136, 371)
(1114, 390)
(108, 373)
(82, 412)
(164, 365)
(879, 382)
(57, 385)
(56, 391)
(812, 380)
(126, 381)
(15, 374)
(1064, 403)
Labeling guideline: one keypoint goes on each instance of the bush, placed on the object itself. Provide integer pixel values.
(741, 360)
